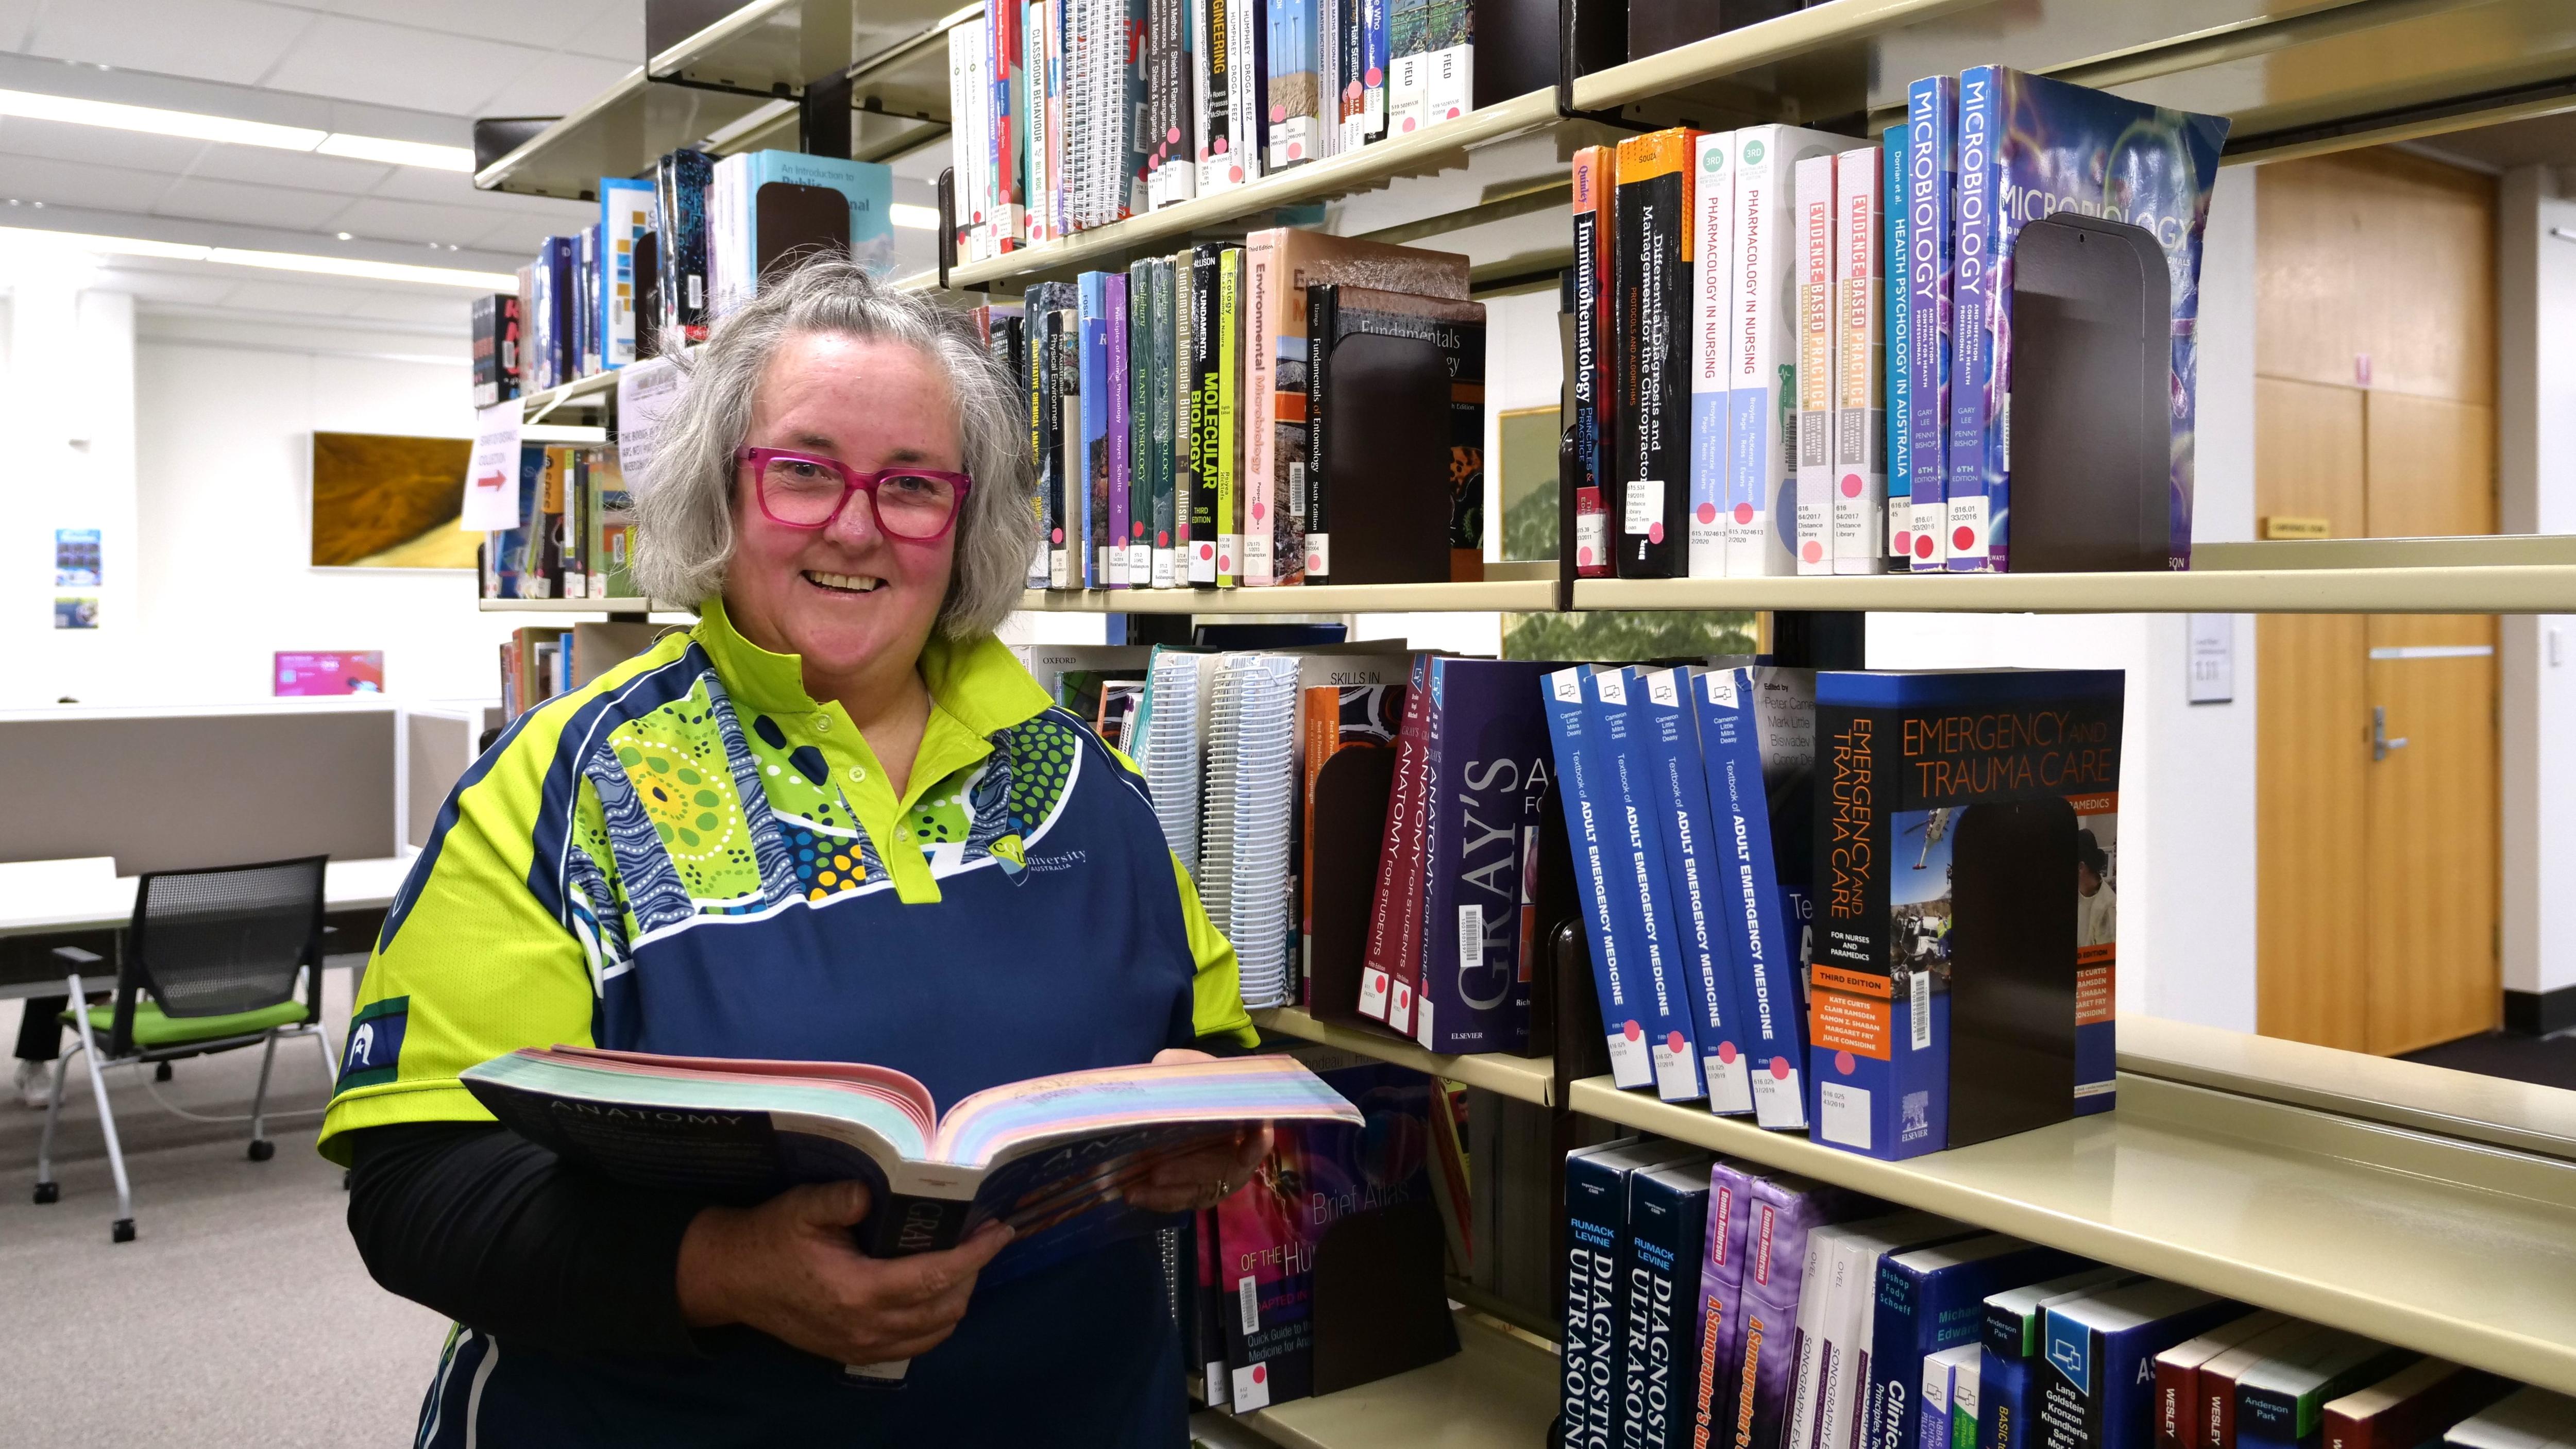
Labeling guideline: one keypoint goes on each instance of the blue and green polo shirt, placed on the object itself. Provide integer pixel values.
(691, 855)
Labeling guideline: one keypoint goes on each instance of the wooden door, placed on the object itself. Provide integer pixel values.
(2378, 869)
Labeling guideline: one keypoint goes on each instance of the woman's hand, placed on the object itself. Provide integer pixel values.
(1202, 1179)
(789, 1269)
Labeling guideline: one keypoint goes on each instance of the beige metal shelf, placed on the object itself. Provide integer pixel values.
(2445, 1247)
(1523, 588)
(1431, 150)
(1499, 1389)
(588, 391)
(579, 606)
(1527, 1079)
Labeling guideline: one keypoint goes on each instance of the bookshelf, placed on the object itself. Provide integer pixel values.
(1526, 1079)
(584, 606)
(1510, 587)
(1499, 1389)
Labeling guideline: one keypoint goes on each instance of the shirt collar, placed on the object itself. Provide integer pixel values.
(978, 682)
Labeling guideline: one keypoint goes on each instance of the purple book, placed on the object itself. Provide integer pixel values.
(1721, 1284)
(1119, 463)
(1785, 1209)
(1490, 787)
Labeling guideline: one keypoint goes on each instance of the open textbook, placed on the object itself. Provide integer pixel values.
(1050, 1156)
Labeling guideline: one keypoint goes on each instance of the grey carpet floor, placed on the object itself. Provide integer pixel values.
(241, 1315)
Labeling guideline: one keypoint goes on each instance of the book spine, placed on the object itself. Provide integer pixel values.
(1594, 169)
(1860, 357)
(1430, 931)
(1899, 1341)
(1449, 79)
(1230, 420)
(1121, 415)
(1034, 149)
(1775, 1247)
(1404, 962)
(1965, 1399)
(1047, 348)
(1665, 1230)
(1185, 408)
(1589, 1365)
(1010, 111)
(1158, 97)
(1897, 356)
(1208, 17)
(1812, 521)
(1656, 248)
(1092, 478)
(1377, 961)
(1931, 199)
(1712, 312)
(1328, 76)
(1932, 1422)
(2003, 1390)
(1721, 1289)
(1350, 92)
(1291, 86)
(1878, 1029)
(1134, 146)
(1209, 406)
(1408, 98)
(1755, 920)
(1033, 389)
(1373, 69)
(1140, 424)
(1180, 140)
(1644, 907)
(1762, 376)
(1285, 433)
(1158, 562)
(1322, 309)
(1584, 796)
(1680, 800)
(2176, 1389)
(1976, 298)
(1260, 404)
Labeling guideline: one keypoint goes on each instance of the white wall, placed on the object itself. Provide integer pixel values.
(224, 448)
(2536, 493)
(2186, 858)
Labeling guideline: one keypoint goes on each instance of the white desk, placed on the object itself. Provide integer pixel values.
(40, 897)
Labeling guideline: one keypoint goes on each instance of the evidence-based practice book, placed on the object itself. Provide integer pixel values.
(1756, 729)
(1596, 1284)
(2098, 1355)
(1667, 1221)
(1582, 786)
(1050, 1156)
(1642, 892)
(1966, 817)
(1657, 242)
(1487, 790)
(1931, 199)
(1693, 870)
(2012, 1343)
(1931, 1300)
(2031, 147)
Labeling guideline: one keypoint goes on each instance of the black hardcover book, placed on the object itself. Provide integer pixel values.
(1649, 517)
(1208, 417)
(1395, 416)
(1040, 309)
(680, 182)
(496, 349)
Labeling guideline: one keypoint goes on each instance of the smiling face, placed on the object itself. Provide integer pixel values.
(854, 603)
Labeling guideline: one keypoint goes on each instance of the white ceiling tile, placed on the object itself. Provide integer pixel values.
(264, 166)
(98, 146)
(305, 297)
(201, 199)
(361, 60)
(415, 306)
(165, 286)
(615, 33)
(411, 221)
(547, 25)
(69, 183)
(444, 188)
(520, 236)
(225, 40)
(553, 86)
(17, 18)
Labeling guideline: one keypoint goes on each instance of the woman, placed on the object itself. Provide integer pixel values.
(834, 821)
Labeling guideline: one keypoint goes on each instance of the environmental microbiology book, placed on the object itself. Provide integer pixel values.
(1050, 1156)
(2031, 147)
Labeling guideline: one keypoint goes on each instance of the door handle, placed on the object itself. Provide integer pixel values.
(2380, 743)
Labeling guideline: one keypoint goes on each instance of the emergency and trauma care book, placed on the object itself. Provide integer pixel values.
(1931, 1300)
(1812, 234)
(1050, 1156)
(1641, 894)
(1667, 1221)
(2280, 1402)
(1787, 1212)
(1848, 1317)
(1583, 788)
(1488, 783)
(2178, 1376)
(1860, 367)
(1712, 315)
(1899, 324)
(2411, 1406)
(2030, 147)
(2012, 1342)
(1963, 816)
(2098, 1356)
(1596, 1278)
(1694, 876)
(1656, 249)
(1930, 193)
(1757, 746)
(1762, 374)
(1721, 1294)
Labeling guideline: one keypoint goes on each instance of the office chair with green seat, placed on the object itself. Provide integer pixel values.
(212, 962)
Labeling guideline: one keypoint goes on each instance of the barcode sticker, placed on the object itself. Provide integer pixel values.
(1297, 490)
(1921, 1008)
(1247, 1300)
(1471, 937)
(1645, 506)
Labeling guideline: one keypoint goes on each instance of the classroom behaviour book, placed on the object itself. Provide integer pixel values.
(1050, 1156)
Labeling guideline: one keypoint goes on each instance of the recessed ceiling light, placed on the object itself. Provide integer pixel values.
(196, 126)
(344, 236)
(917, 218)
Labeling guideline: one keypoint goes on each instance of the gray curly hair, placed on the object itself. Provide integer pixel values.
(684, 508)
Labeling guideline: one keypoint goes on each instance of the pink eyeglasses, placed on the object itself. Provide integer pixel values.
(799, 490)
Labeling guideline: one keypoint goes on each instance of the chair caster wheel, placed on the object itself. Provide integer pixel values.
(261, 1149)
(48, 1192)
(161, 1073)
(123, 1232)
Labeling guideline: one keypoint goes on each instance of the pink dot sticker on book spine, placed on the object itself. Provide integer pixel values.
(1811, 551)
(1674, 1043)
(1779, 1069)
(1744, 513)
(1843, 1063)
(1632, 1031)
(1963, 539)
(1851, 485)
(1726, 1052)
(1705, 513)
